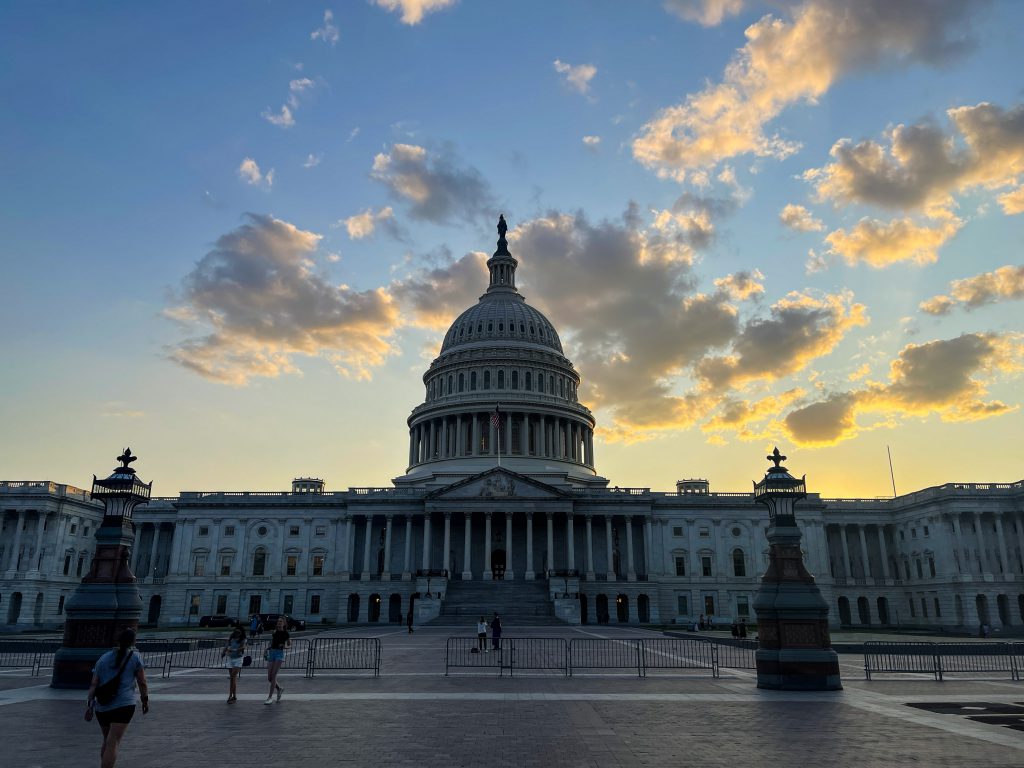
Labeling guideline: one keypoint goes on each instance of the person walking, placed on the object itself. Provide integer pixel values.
(280, 641)
(254, 626)
(743, 629)
(481, 635)
(233, 655)
(496, 632)
(408, 620)
(125, 669)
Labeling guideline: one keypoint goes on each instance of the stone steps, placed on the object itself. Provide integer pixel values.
(517, 602)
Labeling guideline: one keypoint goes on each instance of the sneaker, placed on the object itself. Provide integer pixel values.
(280, 690)
(270, 700)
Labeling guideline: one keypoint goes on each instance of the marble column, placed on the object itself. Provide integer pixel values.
(649, 563)
(630, 570)
(488, 574)
(542, 435)
(412, 446)
(551, 542)
(467, 563)
(864, 552)
(958, 557)
(12, 562)
(530, 575)
(385, 574)
(590, 447)
(447, 541)
(509, 572)
(460, 437)
(590, 548)
(426, 541)
(1002, 543)
(1019, 525)
(847, 565)
(570, 534)
(986, 566)
(407, 561)
(367, 543)
(476, 436)
(151, 565)
(883, 551)
(609, 543)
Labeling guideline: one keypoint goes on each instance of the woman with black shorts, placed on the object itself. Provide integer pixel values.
(280, 641)
(114, 716)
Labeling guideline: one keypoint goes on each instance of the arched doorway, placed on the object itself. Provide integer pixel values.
(864, 611)
(602, 609)
(622, 609)
(373, 608)
(584, 619)
(395, 609)
(14, 608)
(154, 610)
(883, 610)
(497, 564)
(1002, 608)
(643, 609)
(981, 603)
(353, 608)
(844, 612)
(958, 604)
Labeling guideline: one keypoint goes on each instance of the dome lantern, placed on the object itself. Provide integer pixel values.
(502, 265)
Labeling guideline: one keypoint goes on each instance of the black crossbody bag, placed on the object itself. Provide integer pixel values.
(105, 692)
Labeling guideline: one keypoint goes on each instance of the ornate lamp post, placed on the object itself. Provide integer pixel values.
(795, 650)
(108, 599)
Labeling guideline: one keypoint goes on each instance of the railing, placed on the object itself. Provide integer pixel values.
(738, 654)
(539, 653)
(936, 659)
(344, 653)
(30, 654)
(643, 654)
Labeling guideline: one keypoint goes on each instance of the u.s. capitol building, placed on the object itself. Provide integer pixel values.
(501, 509)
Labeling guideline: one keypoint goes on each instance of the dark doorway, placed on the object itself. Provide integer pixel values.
(864, 611)
(353, 608)
(883, 610)
(498, 564)
(14, 608)
(255, 602)
(602, 609)
(643, 609)
(395, 609)
(1002, 606)
(373, 608)
(153, 617)
(584, 619)
(622, 609)
(844, 612)
(981, 603)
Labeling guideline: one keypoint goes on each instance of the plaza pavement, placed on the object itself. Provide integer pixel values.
(412, 715)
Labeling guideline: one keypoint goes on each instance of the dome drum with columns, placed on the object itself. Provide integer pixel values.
(501, 360)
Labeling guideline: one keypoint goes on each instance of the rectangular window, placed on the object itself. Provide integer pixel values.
(938, 611)
(709, 605)
(906, 569)
(289, 603)
(742, 606)
(924, 607)
(204, 530)
(920, 571)
(60, 606)
(677, 531)
(913, 533)
(86, 531)
(67, 564)
(705, 565)
(81, 565)
(903, 535)
(254, 603)
(683, 605)
(705, 533)
(910, 600)
(321, 530)
(259, 563)
(200, 566)
(292, 566)
(318, 565)
(193, 606)
(680, 565)
(314, 604)
(222, 604)
(74, 528)
(926, 530)
(225, 565)
(293, 530)
(931, 566)
(229, 530)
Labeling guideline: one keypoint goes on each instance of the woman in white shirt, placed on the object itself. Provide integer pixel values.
(481, 635)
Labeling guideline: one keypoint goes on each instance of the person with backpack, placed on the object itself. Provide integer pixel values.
(112, 694)
(234, 659)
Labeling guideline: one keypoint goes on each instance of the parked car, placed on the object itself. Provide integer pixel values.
(220, 620)
(269, 621)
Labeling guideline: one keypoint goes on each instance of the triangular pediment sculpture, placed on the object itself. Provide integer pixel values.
(498, 483)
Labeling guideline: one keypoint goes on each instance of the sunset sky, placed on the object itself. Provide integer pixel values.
(232, 234)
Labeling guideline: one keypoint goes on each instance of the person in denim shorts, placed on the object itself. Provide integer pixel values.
(279, 643)
(234, 656)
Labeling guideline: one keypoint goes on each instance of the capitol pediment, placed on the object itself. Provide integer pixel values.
(498, 483)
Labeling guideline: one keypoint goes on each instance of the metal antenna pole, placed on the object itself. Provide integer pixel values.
(891, 475)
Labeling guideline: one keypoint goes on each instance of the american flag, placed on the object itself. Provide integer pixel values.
(496, 417)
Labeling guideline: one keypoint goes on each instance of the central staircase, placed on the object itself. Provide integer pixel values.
(518, 603)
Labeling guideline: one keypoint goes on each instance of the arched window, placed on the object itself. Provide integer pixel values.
(449, 383)
(515, 379)
(259, 562)
(540, 382)
(528, 381)
(739, 565)
(487, 379)
(462, 382)
(561, 387)
(472, 380)
(551, 384)
(501, 379)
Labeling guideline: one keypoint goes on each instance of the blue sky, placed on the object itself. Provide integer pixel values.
(124, 150)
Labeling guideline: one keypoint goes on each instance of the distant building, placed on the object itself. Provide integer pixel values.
(540, 536)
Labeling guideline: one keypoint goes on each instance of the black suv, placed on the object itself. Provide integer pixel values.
(219, 620)
(269, 622)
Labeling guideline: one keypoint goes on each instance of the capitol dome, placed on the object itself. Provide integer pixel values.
(501, 388)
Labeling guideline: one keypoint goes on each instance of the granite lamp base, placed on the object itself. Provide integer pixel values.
(798, 670)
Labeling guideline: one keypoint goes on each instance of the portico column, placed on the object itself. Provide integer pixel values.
(551, 542)
(883, 550)
(530, 575)
(476, 435)
(1002, 542)
(1019, 525)
(346, 556)
(649, 547)
(508, 434)
(590, 447)
(12, 563)
(460, 438)
(492, 444)
(366, 547)
(447, 541)
(467, 563)
(407, 562)
(385, 572)
(543, 433)
(864, 551)
(509, 572)
(151, 565)
(986, 567)
(426, 541)
(37, 552)
(958, 552)
(847, 565)
(412, 446)
(526, 435)
(608, 540)
(488, 574)
(630, 571)
(432, 448)
(572, 541)
(590, 548)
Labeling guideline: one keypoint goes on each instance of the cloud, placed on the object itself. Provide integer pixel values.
(1003, 284)
(328, 32)
(1013, 201)
(922, 166)
(946, 378)
(282, 119)
(433, 298)
(364, 224)
(591, 142)
(789, 62)
(707, 13)
(312, 161)
(576, 77)
(259, 305)
(436, 185)
(880, 244)
(413, 11)
(250, 173)
(741, 286)
(295, 87)
(799, 218)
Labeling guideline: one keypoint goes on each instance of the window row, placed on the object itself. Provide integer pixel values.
(708, 608)
(293, 530)
(259, 564)
(707, 562)
(468, 331)
(527, 380)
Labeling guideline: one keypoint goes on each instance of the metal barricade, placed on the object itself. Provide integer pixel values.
(465, 652)
(908, 657)
(741, 654)
(29, 654)
(976, 657)
(343, 653)
(539, 653)
(679, 653)
(605, 653)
